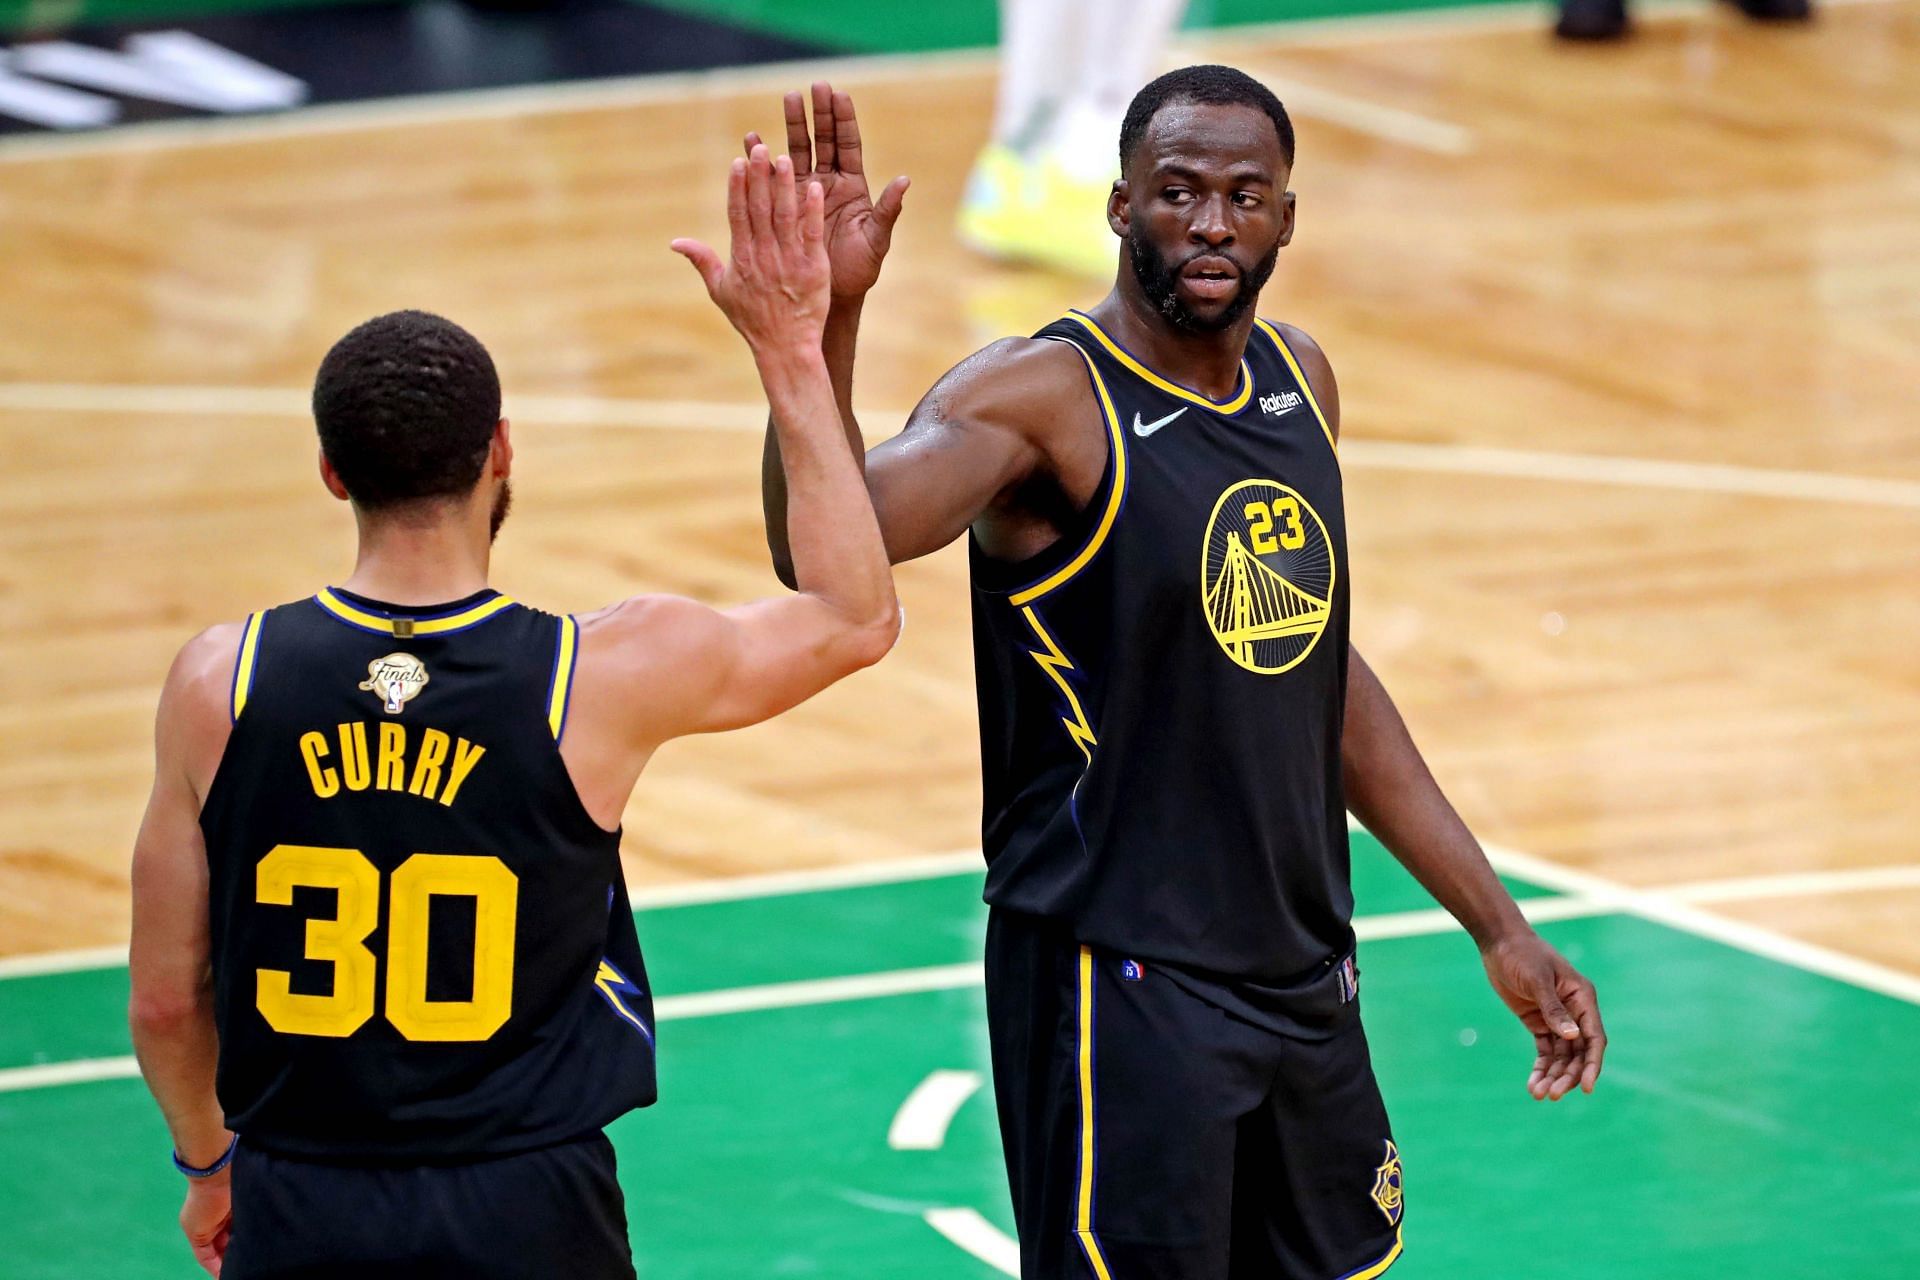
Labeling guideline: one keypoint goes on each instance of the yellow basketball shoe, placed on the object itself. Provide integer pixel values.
(1019, 210)
(1066, 227)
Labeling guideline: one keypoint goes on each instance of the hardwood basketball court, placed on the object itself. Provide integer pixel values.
(1627, 347)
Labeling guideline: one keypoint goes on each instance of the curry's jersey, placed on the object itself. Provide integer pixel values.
(1161, 692)
(422, 945)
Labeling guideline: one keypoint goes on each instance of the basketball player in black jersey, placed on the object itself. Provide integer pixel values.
(1173, 727)
(380, 929)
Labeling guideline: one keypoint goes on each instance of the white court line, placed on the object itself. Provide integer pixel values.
(127, 403)
(1795, 884)
(690, 87)
(1396, 924)
(775, 883)
(701, 1004)
(1662, 908)
(1588, 895)
(921, 1122)
(1389, 124)
(973, 1233)
(45, 962)
(1653, 473)
(697, 86)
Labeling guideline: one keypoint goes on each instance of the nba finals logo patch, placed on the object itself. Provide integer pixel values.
(398, 678)
(1266, 576)
(1386, 1184)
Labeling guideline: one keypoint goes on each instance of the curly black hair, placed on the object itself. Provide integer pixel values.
(1209, 84)
(406, 405)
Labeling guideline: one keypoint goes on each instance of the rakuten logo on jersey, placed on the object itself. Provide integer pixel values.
(1285, 402)
(62, 85)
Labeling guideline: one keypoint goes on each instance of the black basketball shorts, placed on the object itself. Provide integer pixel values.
(1150, 1135)
(556, 1211)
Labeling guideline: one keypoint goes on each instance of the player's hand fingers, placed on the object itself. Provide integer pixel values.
(824, 159)
(752, 140)
(846, 136)
(1559, 1021)
(705, 261)
(1542, 1060)
(813, 217)
(1585, 1003)
(892, 200)
(1566, 1058)
(799, 145)
(738, 228)
(760, 198)
(786, 211)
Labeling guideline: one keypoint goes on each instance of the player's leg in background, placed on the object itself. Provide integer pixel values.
(1067, 72)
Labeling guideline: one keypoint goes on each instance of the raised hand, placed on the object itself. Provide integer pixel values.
(859, 229)
(1558, 1006)
(775, 286)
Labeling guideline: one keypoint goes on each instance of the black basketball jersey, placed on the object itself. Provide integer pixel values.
(422, 944)
(1161, 692)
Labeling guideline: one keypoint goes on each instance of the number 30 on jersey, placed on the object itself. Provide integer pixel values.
(342, 940)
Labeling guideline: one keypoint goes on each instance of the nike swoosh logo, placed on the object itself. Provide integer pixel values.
(1145, 429)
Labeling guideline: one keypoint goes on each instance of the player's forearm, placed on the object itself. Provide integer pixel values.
(832, 535)
(175, 1040)
(838, 344)
(1391, 791)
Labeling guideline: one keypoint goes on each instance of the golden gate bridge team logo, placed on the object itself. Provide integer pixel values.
(1266, 576)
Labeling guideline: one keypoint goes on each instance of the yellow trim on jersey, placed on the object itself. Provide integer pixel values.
(243, 663)
(1286, 353)
(421, 626)
(1114, 349)
(605, 980)
(1378, 1268)
(562, 675)
(1116, 494)
(1083, 1209)
(1056, 664)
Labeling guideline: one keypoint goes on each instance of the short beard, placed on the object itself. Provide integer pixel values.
(502, 504)
(1159, 279)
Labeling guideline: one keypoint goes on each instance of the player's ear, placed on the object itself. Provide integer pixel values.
(500, 452)
(1119, 214)
(1286, 219)
(331, 478)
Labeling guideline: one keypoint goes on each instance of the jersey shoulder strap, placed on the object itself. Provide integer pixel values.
(1269, 347)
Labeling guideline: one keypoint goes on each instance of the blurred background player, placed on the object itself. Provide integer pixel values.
(1068, 68)
(1607, 19)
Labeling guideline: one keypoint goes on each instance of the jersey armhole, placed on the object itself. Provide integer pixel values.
(245, 662)
(1299, 375)
(1116, 486)
(566, 649)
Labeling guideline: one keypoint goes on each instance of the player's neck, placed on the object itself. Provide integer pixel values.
(1207, 362)
(420, 564)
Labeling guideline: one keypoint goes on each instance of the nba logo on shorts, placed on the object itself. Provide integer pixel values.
(1349, 981)
(1132, 970)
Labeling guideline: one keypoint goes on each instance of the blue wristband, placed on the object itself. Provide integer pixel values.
(226, 1158)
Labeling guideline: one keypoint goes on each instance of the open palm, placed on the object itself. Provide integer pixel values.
(859, 229)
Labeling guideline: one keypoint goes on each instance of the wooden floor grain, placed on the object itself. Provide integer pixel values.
(1702, 247)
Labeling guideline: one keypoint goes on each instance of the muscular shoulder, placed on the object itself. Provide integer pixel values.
(1024, 384)
(196, 704)
(201, 677)
(1319, 371)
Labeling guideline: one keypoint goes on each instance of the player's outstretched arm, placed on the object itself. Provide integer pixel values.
(665, 666)
(858, 234)
(171, 1009)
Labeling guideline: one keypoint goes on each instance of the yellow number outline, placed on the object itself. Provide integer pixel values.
(342, 939)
